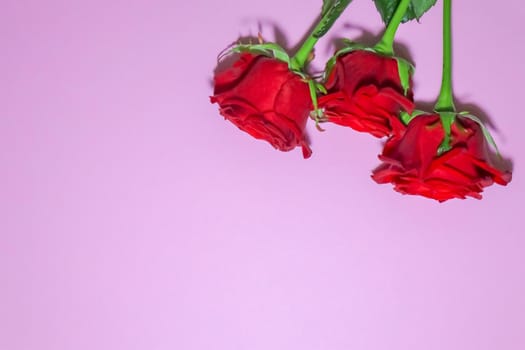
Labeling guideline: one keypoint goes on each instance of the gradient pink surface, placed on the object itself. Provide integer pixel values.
(134, 217)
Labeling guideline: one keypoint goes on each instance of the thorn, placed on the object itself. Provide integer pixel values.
(311, 57)
(260, 38)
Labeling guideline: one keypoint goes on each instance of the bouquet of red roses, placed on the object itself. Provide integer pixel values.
(440, 154)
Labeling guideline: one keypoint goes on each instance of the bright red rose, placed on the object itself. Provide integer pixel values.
(412, 165)
(366, 94)
(262, 97)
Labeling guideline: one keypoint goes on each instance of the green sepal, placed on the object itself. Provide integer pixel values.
(416, 9)
(405, 70)
(447, 118)
(316, 114)
(303, 75)
(320, 87)
(266, 49)
(407, 118)
(484, 129)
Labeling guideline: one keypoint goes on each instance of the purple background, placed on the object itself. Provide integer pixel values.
(134, 217)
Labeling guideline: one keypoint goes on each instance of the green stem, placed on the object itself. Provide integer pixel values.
(445, 101)
(328, 18)
(386, 44)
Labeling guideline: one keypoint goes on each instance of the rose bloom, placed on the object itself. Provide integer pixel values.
(365, 93)
(412, 165)
(262, 97)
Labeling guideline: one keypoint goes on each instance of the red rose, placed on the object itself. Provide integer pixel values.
(262, 97)
(366, 94)
(411, 162)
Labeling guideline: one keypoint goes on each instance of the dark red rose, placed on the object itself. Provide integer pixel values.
(366, 94)
(412, 165)
(262, 97)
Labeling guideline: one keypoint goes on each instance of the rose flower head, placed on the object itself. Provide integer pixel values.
(365, 91)
(263, 97)
(431, 162)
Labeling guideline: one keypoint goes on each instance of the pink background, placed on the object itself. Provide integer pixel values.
(134, 217)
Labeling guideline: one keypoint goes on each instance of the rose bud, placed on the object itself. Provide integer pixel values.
(414, 165)
(365, 93)
(262, 97)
